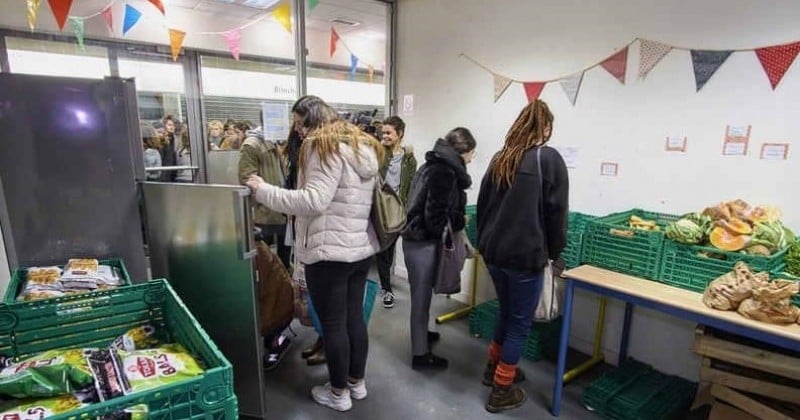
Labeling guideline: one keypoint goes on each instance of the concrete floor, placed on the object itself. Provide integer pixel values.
(398, 392)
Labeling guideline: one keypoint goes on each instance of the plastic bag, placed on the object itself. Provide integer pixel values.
(774, 314)
(139, 338)
(550, 300)
(54, 372)
(147, 369)
(729, 290)
(37, 409)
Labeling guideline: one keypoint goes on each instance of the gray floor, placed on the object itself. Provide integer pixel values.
(398, 392)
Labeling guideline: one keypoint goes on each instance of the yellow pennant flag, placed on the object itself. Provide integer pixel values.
(283, 14)
(33, 11)
(176, 42)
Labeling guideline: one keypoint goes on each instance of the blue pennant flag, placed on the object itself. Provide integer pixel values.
(131, 17)
(353, 66)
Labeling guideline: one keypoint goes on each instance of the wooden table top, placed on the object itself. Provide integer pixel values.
(672, 296)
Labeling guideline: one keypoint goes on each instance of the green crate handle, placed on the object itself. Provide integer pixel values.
(215, 396)
(8, 321)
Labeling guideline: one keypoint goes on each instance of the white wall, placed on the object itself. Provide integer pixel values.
(539, 40)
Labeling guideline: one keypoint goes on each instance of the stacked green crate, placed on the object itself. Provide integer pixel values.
(472, 224)
(576, 228)
(542, 340)
(780, 273)
(635, 391)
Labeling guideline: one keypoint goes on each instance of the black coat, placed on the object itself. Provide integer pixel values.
(520, 227)
(437, 194)
(169, 157)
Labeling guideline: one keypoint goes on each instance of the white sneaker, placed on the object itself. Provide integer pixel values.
(323, 394)
(358, 390)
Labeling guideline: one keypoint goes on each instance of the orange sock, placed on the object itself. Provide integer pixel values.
(504, 375)
(494, 352)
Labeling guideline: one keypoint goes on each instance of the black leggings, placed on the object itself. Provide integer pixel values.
(337, 291)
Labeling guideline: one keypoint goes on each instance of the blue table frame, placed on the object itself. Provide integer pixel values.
(603, 283)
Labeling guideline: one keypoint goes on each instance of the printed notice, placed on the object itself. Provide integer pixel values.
(609, 169)
(738, 131)
(277, 122)
(676, 144)
(774, 151)
(735, 148)
(737, 137)
(408, 105)
(570, 155)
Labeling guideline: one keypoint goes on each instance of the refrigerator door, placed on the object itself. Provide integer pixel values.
(67, 170)
(201, 241)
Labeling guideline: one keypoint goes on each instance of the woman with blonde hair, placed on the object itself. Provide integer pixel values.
(338, 166)
(522, 223)
(215, 131)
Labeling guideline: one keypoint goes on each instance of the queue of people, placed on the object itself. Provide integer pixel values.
(329, 170)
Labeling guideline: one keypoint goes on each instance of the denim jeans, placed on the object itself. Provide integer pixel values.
(518, 294)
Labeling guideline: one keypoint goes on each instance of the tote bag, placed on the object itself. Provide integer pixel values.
(550, 300)
(451, 254)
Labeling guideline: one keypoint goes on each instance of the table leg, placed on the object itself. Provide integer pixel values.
(626, 331)
(563, 346)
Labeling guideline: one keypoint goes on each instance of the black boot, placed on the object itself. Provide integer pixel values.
(428, 361)
(313, 349)
(505, 398)
(488, 374)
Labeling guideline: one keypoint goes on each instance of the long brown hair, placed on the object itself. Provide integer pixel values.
(528, 131)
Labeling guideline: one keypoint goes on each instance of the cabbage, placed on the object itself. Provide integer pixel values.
(772, 235)
(686, 231)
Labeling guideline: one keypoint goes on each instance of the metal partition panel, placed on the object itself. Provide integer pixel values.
(200, 240)
(223, 167)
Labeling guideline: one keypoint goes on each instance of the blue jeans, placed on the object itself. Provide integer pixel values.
(518, 294)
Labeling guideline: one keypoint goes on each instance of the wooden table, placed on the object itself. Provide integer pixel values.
(661, 297)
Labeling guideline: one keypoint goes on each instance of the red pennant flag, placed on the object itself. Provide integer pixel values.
(108, 16)
(158, 4)
(777, 59)
(533, 90)
(60, 10)
(334, 41)
(616, 64)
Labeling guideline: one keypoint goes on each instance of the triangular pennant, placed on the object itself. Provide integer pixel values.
(333, 42)
(159, 5)
(571, 86)
(533, 90)
(617, 64)
(312, 4)
(60, 10)
(108, 17)
(776, 60)
(176, 42)
(132, 16)
(233, 40)
(353, 66)
(501, 83)
(33, 12)
(371, 71)
(283, 14)
(651, 53)
(705, 64)
(78, 30)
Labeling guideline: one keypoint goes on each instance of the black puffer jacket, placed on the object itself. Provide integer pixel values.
(437, 194)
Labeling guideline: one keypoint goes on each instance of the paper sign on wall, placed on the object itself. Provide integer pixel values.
(774, 151)
(570, 155)
(609, 169)
(736, 140)
(675, 144)
(408, 105)
(277, 122)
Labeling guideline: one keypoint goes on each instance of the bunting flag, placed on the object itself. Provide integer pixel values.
(283, 14)
(776, 60)
(371, 71)
(651, 53)
(60, 10)
(78, 30)
(333, 42)
(176, 42)
(233, 40)
(705, 64)
(312, 4)
(501, 84)
(533, 90)
(571, 86)
(132, 16)
(33, 12)
(617, 64)
(353, 66)
(108, 17)
(159, 5)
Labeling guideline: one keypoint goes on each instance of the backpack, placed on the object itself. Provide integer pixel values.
(388, 214)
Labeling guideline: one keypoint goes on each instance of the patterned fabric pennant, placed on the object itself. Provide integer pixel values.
(60, 10)
(233, 39)
(776, 60)
(33, 12)
(132, 16)
(108, 17)
(651, 53)
(176, 37)
(617, 64)
(705, 64)
(533, 90)
(78, 30)
(572, 85)
(501, 83)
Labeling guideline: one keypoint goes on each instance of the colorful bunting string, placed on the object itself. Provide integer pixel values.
(176, 38)
(776, 60)
(617, 64)
(651, 53)
(33, 12)
(233, 40)
(78, 30)
(159, 5)
(571, 86)
(108, 17)
(705, 64)
(335, 40)
(132, 15)
(312, 4)
(283, 14)
(60, 9)
(353, 66)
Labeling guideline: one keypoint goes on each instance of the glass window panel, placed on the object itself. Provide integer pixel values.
(52, 58)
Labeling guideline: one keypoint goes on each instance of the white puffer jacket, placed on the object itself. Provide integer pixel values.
(332, 205)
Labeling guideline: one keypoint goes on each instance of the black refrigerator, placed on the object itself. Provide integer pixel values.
(70, 155)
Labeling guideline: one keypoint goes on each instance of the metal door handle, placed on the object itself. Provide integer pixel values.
(244, 223)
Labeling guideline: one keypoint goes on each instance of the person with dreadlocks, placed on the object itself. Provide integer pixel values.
(522, 223)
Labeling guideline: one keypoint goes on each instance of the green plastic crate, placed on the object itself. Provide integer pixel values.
(576, 229)
(542, 340)
(95, 320)
(684, 266)
(609, 243)
(471, 228)
(17, 281)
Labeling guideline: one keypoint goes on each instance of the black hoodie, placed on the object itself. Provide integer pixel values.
(437, 194)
